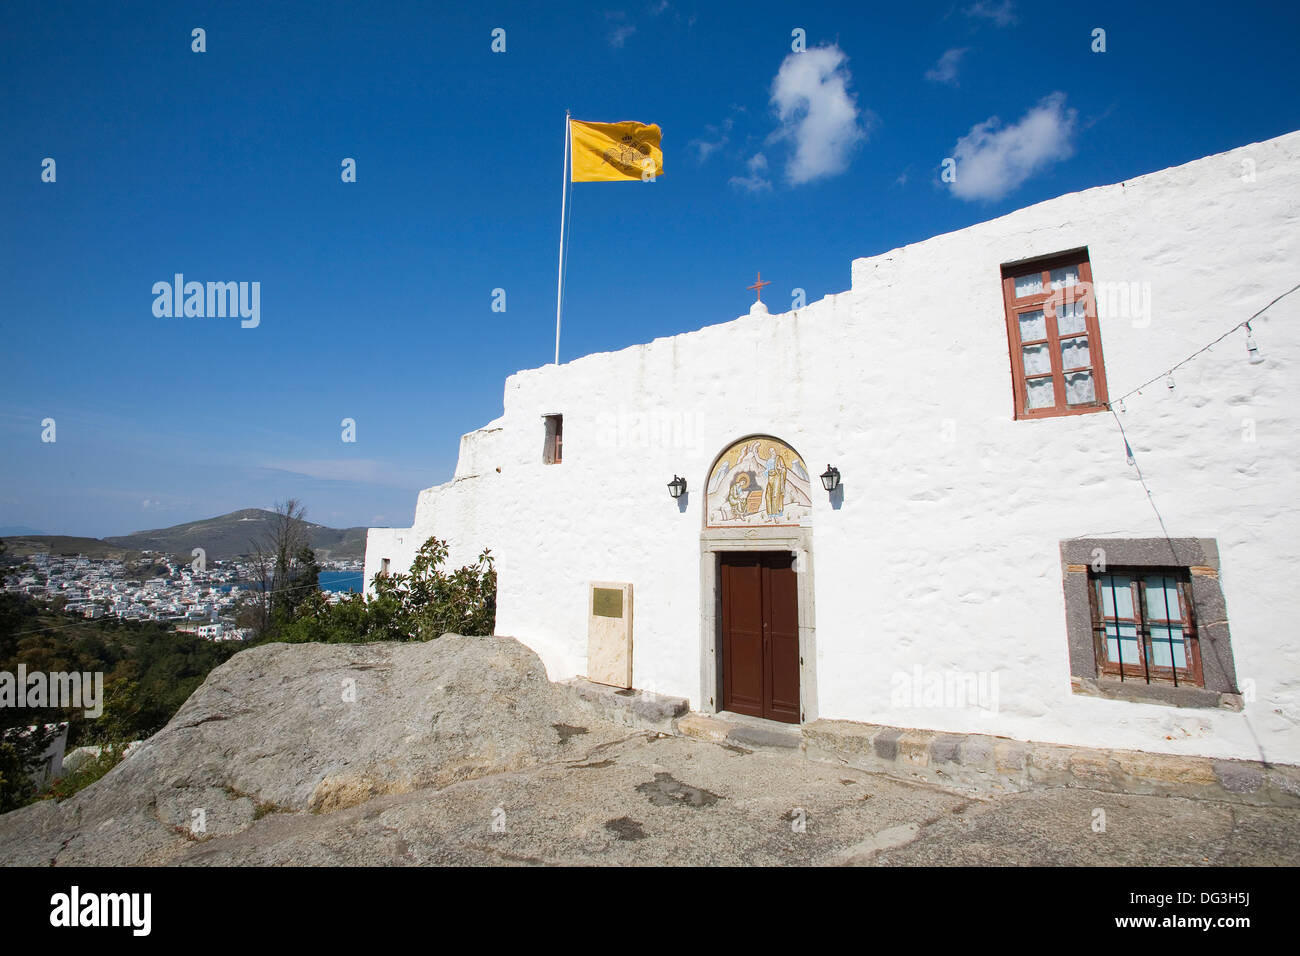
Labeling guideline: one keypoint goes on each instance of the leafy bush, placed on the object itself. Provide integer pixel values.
(422, 605)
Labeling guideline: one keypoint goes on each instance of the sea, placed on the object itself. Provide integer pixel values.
(340, 580)
(344, 581)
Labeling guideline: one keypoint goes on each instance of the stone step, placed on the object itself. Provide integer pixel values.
(627, 707)
(740, 731)
(980, 763)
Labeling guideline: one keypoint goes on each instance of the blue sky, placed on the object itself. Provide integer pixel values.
(376, 295)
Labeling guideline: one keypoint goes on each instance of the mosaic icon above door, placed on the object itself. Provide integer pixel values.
(758, 481)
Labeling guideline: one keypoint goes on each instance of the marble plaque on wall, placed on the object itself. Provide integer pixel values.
(609, 634)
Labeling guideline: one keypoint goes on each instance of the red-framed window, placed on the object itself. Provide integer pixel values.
(1145, 627)
(1056, 361)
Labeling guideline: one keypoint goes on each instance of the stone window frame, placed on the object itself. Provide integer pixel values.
(1199, 558)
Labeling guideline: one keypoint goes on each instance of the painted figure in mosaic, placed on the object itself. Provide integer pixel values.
(774, 491)
(738, 495)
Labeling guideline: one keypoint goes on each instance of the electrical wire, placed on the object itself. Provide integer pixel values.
(1243, 324)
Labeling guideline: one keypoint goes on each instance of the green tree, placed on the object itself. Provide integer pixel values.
(16, 788)
(285, 569)
(121, 721)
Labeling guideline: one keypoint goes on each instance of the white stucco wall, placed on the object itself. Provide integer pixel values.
(945, 551)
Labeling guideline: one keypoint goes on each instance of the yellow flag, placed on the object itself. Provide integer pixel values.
(612, 152)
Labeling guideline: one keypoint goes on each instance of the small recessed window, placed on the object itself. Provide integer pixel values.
(383, 566)
(1051, 312)
(553, 449)
(1144, 626)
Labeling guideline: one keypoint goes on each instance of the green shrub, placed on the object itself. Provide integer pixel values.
(422, 605)
(86, 774)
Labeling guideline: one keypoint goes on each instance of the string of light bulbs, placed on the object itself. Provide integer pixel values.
(1252, 351)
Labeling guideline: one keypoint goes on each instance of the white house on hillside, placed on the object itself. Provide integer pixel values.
(998, 557)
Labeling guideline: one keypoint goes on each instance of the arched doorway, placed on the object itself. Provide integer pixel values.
(757, 630)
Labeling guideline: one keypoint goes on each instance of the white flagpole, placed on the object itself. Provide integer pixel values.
(559, 278)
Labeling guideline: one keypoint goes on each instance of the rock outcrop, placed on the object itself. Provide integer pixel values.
(306, 728)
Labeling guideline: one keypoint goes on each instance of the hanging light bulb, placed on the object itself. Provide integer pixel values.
(1252, 350)
(1121, 406)
(1128, 452)
(1169, 382)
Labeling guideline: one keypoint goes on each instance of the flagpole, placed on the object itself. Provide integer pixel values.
(559, 278)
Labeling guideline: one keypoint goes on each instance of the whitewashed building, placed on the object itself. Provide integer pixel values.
(991, 561)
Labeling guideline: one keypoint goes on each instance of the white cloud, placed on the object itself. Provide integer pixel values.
(757, 180)
(157, 504)
(1002, 14)
(945, 71)
(817, 112)
(992, 162)
(366, 471)
(620, 29)
(714, 138)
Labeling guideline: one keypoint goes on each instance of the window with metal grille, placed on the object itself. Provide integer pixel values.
(1144, 626)
(1051, 312)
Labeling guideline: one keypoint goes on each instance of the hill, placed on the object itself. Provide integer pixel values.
(24, 544)
(221, 538)
(228, 536)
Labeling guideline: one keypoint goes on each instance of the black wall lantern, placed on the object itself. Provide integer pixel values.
(830, 478)
(677, 487)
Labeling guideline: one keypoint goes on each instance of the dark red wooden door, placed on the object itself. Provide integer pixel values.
(760, 635)
(781, 657)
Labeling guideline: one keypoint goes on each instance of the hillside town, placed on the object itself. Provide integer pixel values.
(155, 588)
